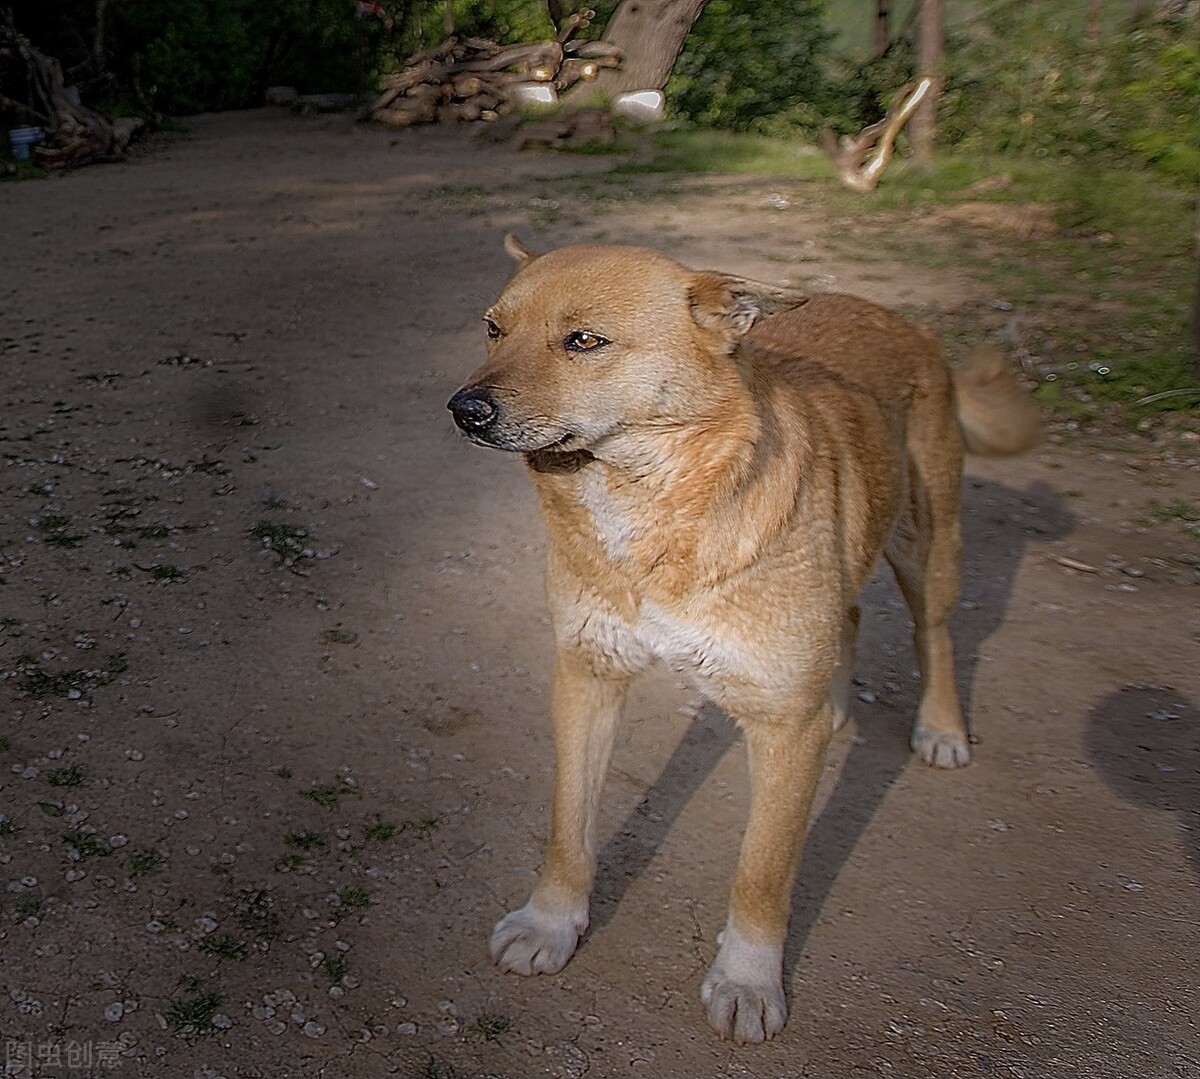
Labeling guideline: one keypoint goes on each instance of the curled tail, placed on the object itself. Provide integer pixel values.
(997, 416)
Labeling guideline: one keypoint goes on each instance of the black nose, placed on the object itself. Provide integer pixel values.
(474, 410)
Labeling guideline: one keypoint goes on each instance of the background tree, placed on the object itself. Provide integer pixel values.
(931, 36)
(650, 35)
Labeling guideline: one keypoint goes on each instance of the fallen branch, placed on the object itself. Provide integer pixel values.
(75, 133)
(860, 160)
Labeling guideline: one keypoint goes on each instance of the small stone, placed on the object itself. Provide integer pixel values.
(222, 1022)
(448, 1026)
(406, 1028)
(113, 1013)
(337, 992)
(116, 841)
(312, 1029)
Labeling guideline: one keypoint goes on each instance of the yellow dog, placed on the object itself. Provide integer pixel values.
(720, 464)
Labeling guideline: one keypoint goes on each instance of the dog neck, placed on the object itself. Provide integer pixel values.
(656, 504)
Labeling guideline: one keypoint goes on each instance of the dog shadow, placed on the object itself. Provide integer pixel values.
(999, 525)
(1145, 741)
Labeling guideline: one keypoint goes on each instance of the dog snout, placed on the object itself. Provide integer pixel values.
(474, 410)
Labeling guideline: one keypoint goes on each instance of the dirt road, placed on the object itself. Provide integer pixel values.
(275, 753)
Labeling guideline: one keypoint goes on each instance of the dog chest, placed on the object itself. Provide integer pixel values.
(709, 657)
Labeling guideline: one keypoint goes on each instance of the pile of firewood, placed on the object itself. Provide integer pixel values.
(473, 79)
(75, 134)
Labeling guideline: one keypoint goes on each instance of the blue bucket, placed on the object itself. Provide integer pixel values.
(22, 139)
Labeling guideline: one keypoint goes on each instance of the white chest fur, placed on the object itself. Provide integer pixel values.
(614, 529)
(710, 659)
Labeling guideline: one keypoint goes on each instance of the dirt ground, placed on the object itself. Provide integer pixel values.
(275, 752)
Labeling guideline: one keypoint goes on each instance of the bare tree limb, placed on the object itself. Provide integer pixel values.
(861, 159)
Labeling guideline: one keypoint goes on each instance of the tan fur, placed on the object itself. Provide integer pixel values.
(718, 483)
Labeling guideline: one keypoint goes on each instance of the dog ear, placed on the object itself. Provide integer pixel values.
(521, 254)
(732, 304)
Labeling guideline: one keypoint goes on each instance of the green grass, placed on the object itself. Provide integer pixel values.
(694, 150)
(306, 840)
(326, 795)
(255, 914)
(334, 967)
(29, 906)
(146, 861)
(379, 832)
(491, 1027)
(54, 528)
(35, 681)
(288, 542)
(191, 1017)
(351, 899)
(86, 844)
(65, 777)
(225, 946)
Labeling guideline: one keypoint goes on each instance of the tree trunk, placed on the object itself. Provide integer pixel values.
(650, 35)
(1196, 330)
(930, 46)
(1094, 30)
(883, 37)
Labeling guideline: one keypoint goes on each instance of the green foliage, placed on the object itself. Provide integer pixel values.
(1022, 79)
(500, 20)
(1162, 105)
(753, 66)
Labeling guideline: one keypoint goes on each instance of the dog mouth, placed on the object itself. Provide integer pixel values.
(481, 413)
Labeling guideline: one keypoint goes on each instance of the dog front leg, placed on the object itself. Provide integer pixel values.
(586, 707)
(744, 987)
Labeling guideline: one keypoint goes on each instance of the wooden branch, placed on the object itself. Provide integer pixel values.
(860, 160)
(473, 79)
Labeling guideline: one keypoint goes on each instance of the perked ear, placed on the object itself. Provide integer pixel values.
(521, 254)
(732, 305)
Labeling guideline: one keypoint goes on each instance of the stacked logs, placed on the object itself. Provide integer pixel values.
(475, 79)
(75, 133)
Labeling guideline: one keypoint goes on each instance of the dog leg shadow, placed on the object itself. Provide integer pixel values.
(632, 847)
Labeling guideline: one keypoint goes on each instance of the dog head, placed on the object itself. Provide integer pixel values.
(591, 342)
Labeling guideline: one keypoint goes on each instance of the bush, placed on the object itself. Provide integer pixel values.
(1020, 79)
(753, 66)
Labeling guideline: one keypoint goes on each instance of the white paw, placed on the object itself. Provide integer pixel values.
(940, 749)
(744, 990)
(532, 941)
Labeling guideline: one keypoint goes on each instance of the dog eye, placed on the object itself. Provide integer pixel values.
(583, 341)
(492, 328)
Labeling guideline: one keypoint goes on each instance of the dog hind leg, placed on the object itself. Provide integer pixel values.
(843, 675)
(924, 553)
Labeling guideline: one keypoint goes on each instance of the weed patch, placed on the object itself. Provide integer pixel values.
(191, 1017)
